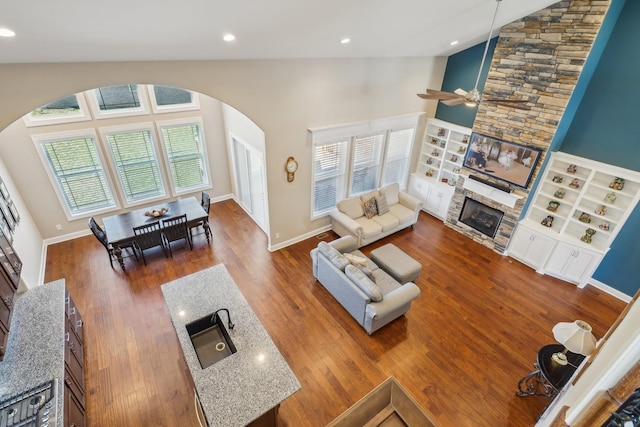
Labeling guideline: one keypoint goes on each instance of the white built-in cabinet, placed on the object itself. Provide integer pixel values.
(587, 202)
(441, 154)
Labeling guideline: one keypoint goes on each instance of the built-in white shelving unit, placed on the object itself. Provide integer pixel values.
(576, 212)
(441, 155)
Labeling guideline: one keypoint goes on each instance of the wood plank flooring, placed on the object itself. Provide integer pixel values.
(460, 350)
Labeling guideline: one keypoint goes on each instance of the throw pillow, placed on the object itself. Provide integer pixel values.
(351, 207)
(334, 255)
(381, 202)
(356, 260)
(391, 191)
(370, 208)
(363, 282)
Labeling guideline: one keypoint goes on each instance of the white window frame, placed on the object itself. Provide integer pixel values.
(99, 114)
(41, 139)
(341, 172)
(137, 127)
(159, 109)
(54, 119)
(351, 131)
(377, 165)
(406, 157)
(188, 121)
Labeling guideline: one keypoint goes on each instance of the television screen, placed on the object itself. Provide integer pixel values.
(508, 161)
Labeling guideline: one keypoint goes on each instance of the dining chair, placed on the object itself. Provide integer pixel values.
(148, 236)
(205, 202)
(102, 238)
(175, 229)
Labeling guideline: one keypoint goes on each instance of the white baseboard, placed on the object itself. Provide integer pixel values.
(611, 291)
(273, 248)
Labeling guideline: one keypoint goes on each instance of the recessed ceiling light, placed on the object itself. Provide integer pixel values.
(5, 32)
(345, 40)
(229, 37)
(453, 43)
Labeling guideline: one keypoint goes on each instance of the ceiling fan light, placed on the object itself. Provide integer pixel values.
(471, 104)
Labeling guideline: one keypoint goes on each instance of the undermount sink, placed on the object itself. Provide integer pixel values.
(210, 339)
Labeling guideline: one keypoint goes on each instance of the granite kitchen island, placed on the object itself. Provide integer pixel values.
(240, 388)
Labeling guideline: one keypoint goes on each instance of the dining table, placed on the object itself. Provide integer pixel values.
(119, 227)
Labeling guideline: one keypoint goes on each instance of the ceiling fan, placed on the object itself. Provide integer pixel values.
(474, 97)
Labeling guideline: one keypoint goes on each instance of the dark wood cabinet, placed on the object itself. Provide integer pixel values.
(74, 411)
(10, 267)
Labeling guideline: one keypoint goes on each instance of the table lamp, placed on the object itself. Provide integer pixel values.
(576, 337)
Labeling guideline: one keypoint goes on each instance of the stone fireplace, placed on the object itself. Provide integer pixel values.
(480, 217)
(538, 58)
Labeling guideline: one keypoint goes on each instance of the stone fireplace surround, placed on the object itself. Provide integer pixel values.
(540, 58)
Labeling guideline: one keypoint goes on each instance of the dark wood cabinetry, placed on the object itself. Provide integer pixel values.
(74, 412)
(9, 279)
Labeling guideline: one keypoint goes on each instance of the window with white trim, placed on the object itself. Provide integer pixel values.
(118, 101)
(329, 174)
(72, 108)
(353, 159)
(166, 99)
(396, 163)
(365, 166)
(184, 148)
(135, 161)
(76, 168)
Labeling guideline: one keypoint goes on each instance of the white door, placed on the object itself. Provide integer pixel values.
(250, 181)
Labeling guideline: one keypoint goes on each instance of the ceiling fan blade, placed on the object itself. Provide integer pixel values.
(460, 92)
(429, 96)
(442, 94)
(452, 102)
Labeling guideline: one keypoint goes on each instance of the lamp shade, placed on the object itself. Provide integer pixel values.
(575, 336)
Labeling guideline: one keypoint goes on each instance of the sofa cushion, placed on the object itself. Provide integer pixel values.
(336, 258)
(381, 202)
(365, 284)
(370, 208)
(370, 228)
(401, 212)
(351, 207)
(391, 191)
(384, 281)
(370, 264)
(387, 221)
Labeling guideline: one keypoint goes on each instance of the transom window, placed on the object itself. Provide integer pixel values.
(69, 109)
(165, 99)
(118, 101)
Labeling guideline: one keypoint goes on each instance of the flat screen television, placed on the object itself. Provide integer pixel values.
(507, 161)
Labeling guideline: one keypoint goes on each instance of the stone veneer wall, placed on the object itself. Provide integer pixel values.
(539, 58)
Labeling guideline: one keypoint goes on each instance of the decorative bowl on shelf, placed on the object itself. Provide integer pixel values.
(157, 212)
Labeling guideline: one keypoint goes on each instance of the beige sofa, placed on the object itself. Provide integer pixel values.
(350, 216)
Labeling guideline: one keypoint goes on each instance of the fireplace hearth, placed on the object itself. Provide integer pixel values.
(480, 217)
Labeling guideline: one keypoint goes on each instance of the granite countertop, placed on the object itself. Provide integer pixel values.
(35, 348)
(240, 388)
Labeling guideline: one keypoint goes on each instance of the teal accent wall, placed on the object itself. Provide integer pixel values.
(602, 120)
(461, 72)
(606, 127)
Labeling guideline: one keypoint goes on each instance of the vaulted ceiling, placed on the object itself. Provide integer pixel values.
(133, 30)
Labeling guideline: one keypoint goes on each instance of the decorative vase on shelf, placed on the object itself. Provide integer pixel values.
(610, 198)
(617, 184)
(601, 210)
(548, 221)
(585, 217)
(559, 193)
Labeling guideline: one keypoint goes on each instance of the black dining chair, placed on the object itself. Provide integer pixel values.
(102, 238)
(148, 236)
(174, 229)
(205, 202)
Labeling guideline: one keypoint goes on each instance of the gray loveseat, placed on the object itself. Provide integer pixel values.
(393, 211)
(373, 303)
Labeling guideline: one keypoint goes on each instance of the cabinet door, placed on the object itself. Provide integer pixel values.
(418, 188)
(529, 247)
(4, 335)
(73, 354)
(572, 263)
(437, 203)
(73, 410)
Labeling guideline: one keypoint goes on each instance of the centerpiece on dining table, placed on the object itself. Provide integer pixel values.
(157, 212)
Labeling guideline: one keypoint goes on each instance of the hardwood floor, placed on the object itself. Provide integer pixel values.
(460, 350)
